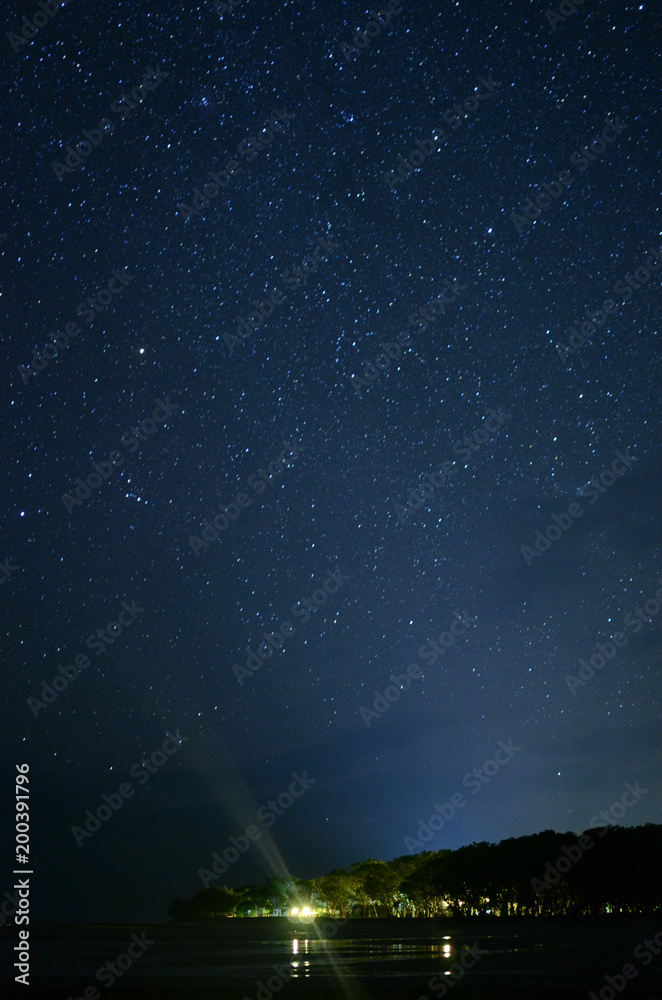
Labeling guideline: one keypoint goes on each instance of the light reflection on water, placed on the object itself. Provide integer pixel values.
(307, 957)
(348, 955)
(535, 955)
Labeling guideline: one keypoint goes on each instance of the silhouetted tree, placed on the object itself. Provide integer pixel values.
(609, 870)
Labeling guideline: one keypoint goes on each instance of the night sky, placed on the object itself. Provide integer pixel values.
(485, 405)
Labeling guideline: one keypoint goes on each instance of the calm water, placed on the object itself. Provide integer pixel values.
(259, 959)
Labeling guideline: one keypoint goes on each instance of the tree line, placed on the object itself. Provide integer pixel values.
(603, 871)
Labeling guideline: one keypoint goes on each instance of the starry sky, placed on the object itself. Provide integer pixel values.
(157, 374)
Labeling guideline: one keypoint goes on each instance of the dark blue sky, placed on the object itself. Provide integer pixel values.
(305, 347)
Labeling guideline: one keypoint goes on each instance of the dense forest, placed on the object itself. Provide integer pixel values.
(609, 870)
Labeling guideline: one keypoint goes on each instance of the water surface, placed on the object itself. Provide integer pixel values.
(360, 960)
